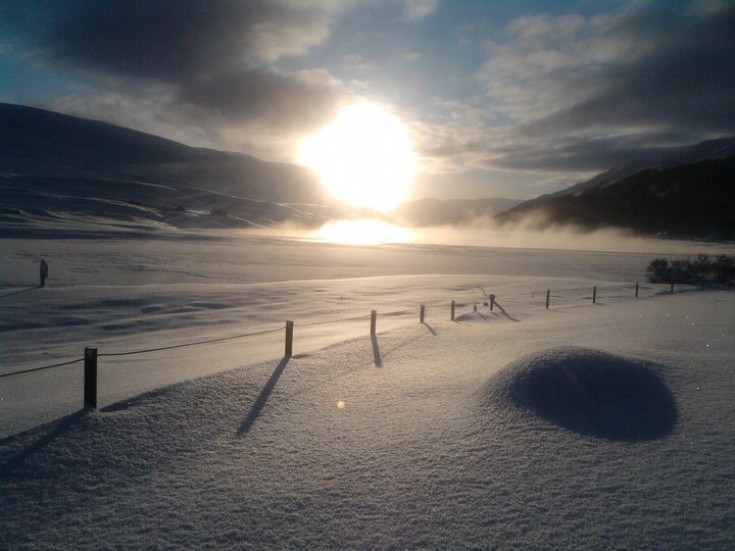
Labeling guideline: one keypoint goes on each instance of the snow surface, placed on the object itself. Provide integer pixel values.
(433, 436)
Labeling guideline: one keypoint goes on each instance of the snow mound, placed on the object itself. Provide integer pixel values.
(587, 391)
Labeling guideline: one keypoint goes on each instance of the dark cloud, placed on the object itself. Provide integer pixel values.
(687, 80)
(578, 155)
(172, 40)
(598, 92)
(448, 150)
(212, 57)
(281, 99)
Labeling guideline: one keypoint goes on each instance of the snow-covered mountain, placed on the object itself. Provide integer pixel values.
(54, 165)
(710, 149)
(690, 194)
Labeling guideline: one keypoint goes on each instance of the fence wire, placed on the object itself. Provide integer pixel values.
(183, 345)
(566, 294)
(70, 362)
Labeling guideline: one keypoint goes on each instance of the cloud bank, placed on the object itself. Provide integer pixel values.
(184, 63)
(576, 93)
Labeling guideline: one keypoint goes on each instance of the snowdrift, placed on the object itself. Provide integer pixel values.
(590, 392)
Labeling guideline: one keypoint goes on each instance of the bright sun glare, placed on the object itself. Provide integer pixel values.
(362, 232)
(364, 157)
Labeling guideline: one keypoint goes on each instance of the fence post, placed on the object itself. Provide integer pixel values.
(548, 294)
(672, 286)
(492, 302)
(636, 290)
(90, 378)
(594, 294)
(289, 339)
(451, 317)
(422, 313)
(373, 321)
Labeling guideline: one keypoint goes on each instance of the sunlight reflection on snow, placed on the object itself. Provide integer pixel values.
(362, 232)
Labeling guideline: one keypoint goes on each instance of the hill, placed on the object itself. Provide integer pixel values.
(710, 149)
(52, 163)
(691, 195)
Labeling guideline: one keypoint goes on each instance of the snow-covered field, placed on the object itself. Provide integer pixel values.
(588, 426)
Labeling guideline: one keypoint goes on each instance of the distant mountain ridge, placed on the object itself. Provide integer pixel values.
(657, 195)
(690, 194)
(710, 149)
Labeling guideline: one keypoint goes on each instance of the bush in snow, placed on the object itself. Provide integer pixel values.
(702, 269)
(658, 271)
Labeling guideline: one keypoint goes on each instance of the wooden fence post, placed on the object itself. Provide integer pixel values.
(90, 378)
(373, 321)
(289, 339)
(594, 295)
(636, 290)
(492, 302)
(451, 317)
(672, 286)
(548, 295)
(422, 313)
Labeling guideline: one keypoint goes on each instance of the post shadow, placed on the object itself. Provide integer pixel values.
(10, 294)
(55, 429)
(503, 311)
(376, 351)
(263, 397)
(429, 327)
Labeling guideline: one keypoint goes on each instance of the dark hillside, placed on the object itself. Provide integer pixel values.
(695, 200)
(58, 168)
(42, 143)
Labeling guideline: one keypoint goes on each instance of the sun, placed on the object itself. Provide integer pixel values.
(364, 157)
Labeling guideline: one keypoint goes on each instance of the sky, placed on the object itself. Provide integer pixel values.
(500, 98)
